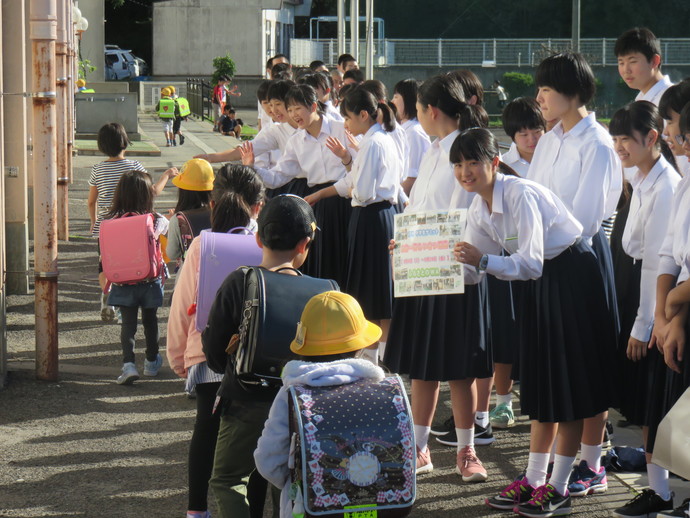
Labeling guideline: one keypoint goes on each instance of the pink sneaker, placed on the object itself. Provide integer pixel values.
(469, 466)
(424, 464)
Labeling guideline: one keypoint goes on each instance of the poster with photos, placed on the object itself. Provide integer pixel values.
(423, 261)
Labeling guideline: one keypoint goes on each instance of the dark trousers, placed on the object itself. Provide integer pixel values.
(203, 446)
(128, 331)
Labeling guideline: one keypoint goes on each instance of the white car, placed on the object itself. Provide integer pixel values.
(122, 64)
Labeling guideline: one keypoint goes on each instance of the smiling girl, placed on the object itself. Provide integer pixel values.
(561, 360)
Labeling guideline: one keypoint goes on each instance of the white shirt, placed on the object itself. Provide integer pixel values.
(400, 138)
(273, 138)
(374, 175)
(332, 112)
(582, 169)
(654, 94)
(264, 117)
(436, 182)
(513, 159)
(650, 208)
(308, 157)
(673, 252)
(417, 144)
(527, 220)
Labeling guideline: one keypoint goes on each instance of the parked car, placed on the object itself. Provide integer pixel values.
(122, 64)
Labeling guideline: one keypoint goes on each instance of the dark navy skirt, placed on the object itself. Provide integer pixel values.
(296, 186)
(568, 335)
(602, 250)
(142, 295)
(328, 256)
(369, 276)
(441, 337)
(503, 328)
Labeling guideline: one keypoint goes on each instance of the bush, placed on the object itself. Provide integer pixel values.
(224, 66)
(518, 84)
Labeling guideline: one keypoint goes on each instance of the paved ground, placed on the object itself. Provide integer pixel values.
(85, 446)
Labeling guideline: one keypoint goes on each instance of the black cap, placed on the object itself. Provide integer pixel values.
(284, 221)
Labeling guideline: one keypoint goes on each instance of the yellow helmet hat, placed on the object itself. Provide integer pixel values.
(165, 91)
(171, 88)
(333, 323)
(80, 83)
(196, 175)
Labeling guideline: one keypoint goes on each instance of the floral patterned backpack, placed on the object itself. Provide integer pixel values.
(352, 450)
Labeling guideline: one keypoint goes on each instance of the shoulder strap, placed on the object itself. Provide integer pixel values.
(299, 274)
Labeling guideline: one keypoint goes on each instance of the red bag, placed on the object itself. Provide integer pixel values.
(130, 250)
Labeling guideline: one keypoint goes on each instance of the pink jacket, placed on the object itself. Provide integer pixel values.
(184, 341)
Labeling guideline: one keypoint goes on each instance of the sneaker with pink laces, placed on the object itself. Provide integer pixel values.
(424, 464)
(469, 466)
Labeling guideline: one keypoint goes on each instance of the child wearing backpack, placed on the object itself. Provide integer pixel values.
(236, 199)
(134, 194)
(330, 337)
(286, 230)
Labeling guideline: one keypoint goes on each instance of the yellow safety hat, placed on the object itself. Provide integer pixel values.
(333, 323)
(196, 175)
(80, 83)
(165, 91)
(171, 88)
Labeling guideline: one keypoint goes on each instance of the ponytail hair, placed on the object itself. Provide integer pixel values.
(641, 117)
(445, 93)
(472, 116)
(478, 144)
(236, 189)
(360, 99)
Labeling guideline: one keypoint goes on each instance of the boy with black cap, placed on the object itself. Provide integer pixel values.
(286, 230)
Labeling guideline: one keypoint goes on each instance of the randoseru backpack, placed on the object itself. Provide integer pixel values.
(354, 449)
(130, 250)
(273, 305)
(221, 254)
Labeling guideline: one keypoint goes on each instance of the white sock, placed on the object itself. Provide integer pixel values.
(465, 438)
(536, 469)
(421, 435)
(382, 350)
(552, 454)
(482, 419)
(658, 480)
(562, 467)
(506, 399)
(592, 454)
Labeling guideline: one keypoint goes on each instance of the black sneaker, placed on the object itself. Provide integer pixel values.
(181, 139)
(545, 502)
(682, 511)
(483, 436)
(448, 438)
(447, 426)
(644, 504)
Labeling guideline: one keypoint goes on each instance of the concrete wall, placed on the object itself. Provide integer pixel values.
(93, 39)
(188, 34)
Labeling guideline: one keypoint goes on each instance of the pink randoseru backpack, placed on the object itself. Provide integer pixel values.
(221, 254)
(130, 250)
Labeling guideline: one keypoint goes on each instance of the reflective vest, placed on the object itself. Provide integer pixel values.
(87, 91)
(183, 105)
(166, 108)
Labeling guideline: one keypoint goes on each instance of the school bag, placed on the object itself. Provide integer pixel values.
(130, 250)
(273, 304)
(354, 449)
(191, 223)
(221, 254)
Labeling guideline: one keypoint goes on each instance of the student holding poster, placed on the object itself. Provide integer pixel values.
(440, 337)
(565, 326)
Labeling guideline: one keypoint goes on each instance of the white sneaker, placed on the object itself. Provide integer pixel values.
(152, 368)
(129, 374)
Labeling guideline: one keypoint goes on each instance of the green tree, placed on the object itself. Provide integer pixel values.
(224, 66)
(518, 84)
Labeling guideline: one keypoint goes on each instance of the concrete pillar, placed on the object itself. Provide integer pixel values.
(28, 69)
(3, 326)
(93, 39)
(14, 147)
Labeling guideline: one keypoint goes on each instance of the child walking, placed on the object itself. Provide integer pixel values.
(373, 185)
(336, 333)
(636, 131)
(563, 368)
(134, 194)
(236, 199)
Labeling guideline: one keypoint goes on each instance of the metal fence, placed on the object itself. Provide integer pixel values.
(199, 95)
(486, 52)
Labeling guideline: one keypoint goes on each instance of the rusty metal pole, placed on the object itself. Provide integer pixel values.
(70, 87)
(43, 35)
(61, 113)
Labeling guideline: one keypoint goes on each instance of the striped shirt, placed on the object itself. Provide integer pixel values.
(105, 177)
(200, 373)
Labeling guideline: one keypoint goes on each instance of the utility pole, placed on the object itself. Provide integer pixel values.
(43, 31)
(370, 39)
(576, 26)
(341, 27)
(354, 29)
